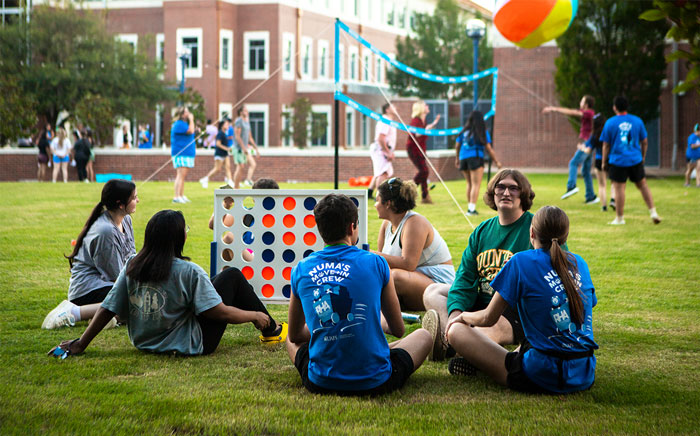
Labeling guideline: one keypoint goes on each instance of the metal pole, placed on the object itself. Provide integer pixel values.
(336, 120)
(476, 69)
(182, 82)
(674, 106)
(336, 123)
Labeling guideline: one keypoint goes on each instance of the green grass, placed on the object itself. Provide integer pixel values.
(647, 279)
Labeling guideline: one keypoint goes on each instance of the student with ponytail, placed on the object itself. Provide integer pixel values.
(100, 252)
(554, 296)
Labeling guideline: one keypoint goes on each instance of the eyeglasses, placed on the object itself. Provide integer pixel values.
(501, 189)
(391, 181)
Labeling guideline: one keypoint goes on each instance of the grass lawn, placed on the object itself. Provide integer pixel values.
(647, 280)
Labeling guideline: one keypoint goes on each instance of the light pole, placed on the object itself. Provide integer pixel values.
(476, 29)
(184, 56)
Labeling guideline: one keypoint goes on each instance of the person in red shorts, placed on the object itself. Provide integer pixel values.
(419, 112)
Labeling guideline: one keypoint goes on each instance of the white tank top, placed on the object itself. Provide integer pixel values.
(434, 254)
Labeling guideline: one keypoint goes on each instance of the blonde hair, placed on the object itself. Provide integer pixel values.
(417, 109)
(179, 112)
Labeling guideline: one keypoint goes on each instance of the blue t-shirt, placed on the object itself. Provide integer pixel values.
(231, 135)
(693, 153)
(624, 134)
(181, 142)
(340, 290)
(529, 283)
(469, 147)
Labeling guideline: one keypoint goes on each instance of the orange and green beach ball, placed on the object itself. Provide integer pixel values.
(530, 23)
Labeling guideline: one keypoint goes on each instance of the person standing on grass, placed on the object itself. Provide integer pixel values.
(90, 166)
(416, 148)
(221, 155)
(100, 252)
(81, 152)
(169, 303)
(44, 155)
(491, 244)
(61, 150)
(244, 139)
(470, 146)
(382, 150)
(625, 145)
(692, 155)
(552, 291)
(338, 297)
(182, 150)
(594, 146)
(580, 159)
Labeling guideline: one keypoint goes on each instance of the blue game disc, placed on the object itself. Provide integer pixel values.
(287, 291)
(268, 238)
(307, 253)
(268, 255)
(288, 256)
(269, 203)
(310, 203)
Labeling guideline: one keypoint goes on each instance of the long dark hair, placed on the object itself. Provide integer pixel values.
(598, 124)
(163, 241)
(551, 228)
(115, 193)
(476, 126)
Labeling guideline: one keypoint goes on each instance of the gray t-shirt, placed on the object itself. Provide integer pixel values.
(162, 316)
(101, 257)
(245, 131)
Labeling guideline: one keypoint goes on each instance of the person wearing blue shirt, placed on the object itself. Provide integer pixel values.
(554, 296)
(692, 154)
(182, 150)
(625, 144)
(336, 331)
(470, 146)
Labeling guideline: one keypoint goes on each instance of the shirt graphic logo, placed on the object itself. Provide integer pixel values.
(146, 302)
(625, 129)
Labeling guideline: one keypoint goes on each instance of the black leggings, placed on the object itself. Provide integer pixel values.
(235, 291)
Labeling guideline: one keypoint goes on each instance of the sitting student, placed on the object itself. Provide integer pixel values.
(338, 296)
(170, 304)
(414, 249)
(553, 293)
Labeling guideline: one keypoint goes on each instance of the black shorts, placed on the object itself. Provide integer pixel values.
(620, 174)
(599, 164)
(512, 317)
(401, 369)
(471, 163)
(517, 379)
(92, 297)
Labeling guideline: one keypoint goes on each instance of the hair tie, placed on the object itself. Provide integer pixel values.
(555, 240)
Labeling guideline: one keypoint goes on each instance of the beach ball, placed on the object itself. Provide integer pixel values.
(530, 23)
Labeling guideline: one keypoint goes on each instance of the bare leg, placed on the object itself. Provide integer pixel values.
(435, 297)
(688, 172)
(465, 173)
(480, 351)
(56, 169)
(417, 344)
(64, 171)
(410, 286)
(216, 169)
(237, 176)
(500, 333)
(600, 175)
(646, 192)
(380, 179)
(88, 311)
(476, 176)
(228, 168)
(251, 167)
(292, 348)
(697, 173)
(619, 190)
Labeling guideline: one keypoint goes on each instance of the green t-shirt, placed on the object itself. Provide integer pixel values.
(491, 245)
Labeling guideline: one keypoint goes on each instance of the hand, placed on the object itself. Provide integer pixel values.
(390, 155)
(604, 166)
(261, 320)
(437, 118)
(72, 346)
(450, 323)
(547, 109)
(457, 162)
(499, 165)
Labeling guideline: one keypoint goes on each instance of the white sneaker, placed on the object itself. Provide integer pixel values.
(205, 182)
(617, 222)
(185, 199)
(569, 193)
(178, 200)
(248, 182)
(593, 201)
(656, 219)
(111, 324)
(59, 317)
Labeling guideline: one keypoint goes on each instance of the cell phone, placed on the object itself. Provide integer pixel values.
(60, 353)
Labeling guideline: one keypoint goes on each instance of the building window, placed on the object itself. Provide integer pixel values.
(160, 50)
(225, 110)
(258, 115)
(189, 41)
(323, 59)
(352, 64)
(379, 70)
(390, 19)
(130, 38)
(320, 125)
(366, 65)
(306, 57)
(287, 125)
(365, 129)
(288, 56)
(349, 127)
(256, 47)
(226, 55)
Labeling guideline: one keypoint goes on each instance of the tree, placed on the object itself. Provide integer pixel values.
(685, 18)
(63, 56)
(302, 123)
(16, 111)
(608, 51)
(438, 45)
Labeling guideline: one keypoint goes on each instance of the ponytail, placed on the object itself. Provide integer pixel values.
(96, 212)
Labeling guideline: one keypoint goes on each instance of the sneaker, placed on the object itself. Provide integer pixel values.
(228, 182)
(59, 317)
(111, 324)
(431, 322)
(604, 208)
(569, 193)
(178, 200)
(205, 182)
(427, 200)
(460, 366)
(185, 199)
(656, 219)
(594, 200)
(617, 222)
(279, 336)
(686, 185)
(612, 203)
(248, 182)
(472, 213)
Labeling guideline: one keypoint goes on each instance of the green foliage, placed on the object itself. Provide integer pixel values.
(303, 125)
(63, 56)
(647, 383)
(16, 111)
(685, 18)
(607, 51)
(97, 112)
(438, 45)
(196, 105)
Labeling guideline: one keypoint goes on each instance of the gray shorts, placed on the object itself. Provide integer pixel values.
(442, 273)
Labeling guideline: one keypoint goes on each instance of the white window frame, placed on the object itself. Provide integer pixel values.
(379, 70)
(366, 70)
(285, 142)
(321, 109)
(365, 129)
(341, 61)
(351, 132)
(265, 109)
(225, 108)
(228, 72)
(288, 52)
(323, 60)
(249, 74)
(189, 32)
(131, 38)
(160, 42)
(307, 47)
(352, 72)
